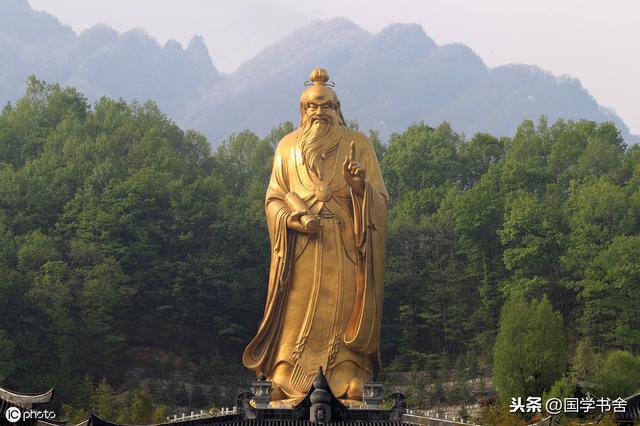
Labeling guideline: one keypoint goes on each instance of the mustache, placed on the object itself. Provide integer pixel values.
(321, 118)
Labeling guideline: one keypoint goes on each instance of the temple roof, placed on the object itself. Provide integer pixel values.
(319, 397)
(238, 420)
(632, 412)
(26, 400)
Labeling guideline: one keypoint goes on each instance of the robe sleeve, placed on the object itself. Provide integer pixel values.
(258, 353)
(370, 228)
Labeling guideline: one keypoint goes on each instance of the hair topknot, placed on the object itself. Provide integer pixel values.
(319, 77)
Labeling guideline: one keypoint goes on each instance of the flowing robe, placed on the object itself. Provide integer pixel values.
(324, 300)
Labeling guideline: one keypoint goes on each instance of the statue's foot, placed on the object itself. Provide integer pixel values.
(285, 403)
(353, 403)
(282, 388)
(354, 392)
(277, 393)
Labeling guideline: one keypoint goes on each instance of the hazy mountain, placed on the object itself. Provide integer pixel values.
(99, 61)
(30, 42)
(385, 80)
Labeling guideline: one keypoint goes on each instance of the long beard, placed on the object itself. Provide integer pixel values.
(316, 139)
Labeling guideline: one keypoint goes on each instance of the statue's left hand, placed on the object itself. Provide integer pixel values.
(354, 172)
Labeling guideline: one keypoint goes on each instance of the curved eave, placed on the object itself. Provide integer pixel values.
(49, 423)
(95, 420)
(632, 411)
(633, 397)
(27, 400)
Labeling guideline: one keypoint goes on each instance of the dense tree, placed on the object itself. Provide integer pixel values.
(532, 244)
(420, 158)
(6, 355)
(104, 402)
(141, 407)
(126, 243)
(619, 375)
(611, 295)
(530, 353)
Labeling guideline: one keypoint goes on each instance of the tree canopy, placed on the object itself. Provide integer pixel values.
(128, 243)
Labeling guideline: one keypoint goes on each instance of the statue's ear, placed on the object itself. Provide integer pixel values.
(302, 108)
(339, 111)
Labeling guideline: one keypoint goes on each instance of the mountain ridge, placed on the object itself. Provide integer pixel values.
(386, 80)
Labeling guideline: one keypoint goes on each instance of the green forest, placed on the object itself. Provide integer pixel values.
(131, 248)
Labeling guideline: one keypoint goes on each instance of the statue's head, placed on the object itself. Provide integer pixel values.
(320, 117)
(319, 102)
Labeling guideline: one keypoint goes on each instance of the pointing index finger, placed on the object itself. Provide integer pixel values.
(352, 151)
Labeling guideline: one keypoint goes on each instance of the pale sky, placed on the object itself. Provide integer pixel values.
(596, 41)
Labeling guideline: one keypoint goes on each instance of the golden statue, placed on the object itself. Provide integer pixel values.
(326, 208)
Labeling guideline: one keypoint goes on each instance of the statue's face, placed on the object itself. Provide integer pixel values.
(323, 112)
(320, 107)
(320, 118)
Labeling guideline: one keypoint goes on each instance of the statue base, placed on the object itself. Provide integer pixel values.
(321, 406)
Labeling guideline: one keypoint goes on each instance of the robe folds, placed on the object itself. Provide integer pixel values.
(324, 298)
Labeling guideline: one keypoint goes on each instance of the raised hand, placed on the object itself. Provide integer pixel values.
(354, 172)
